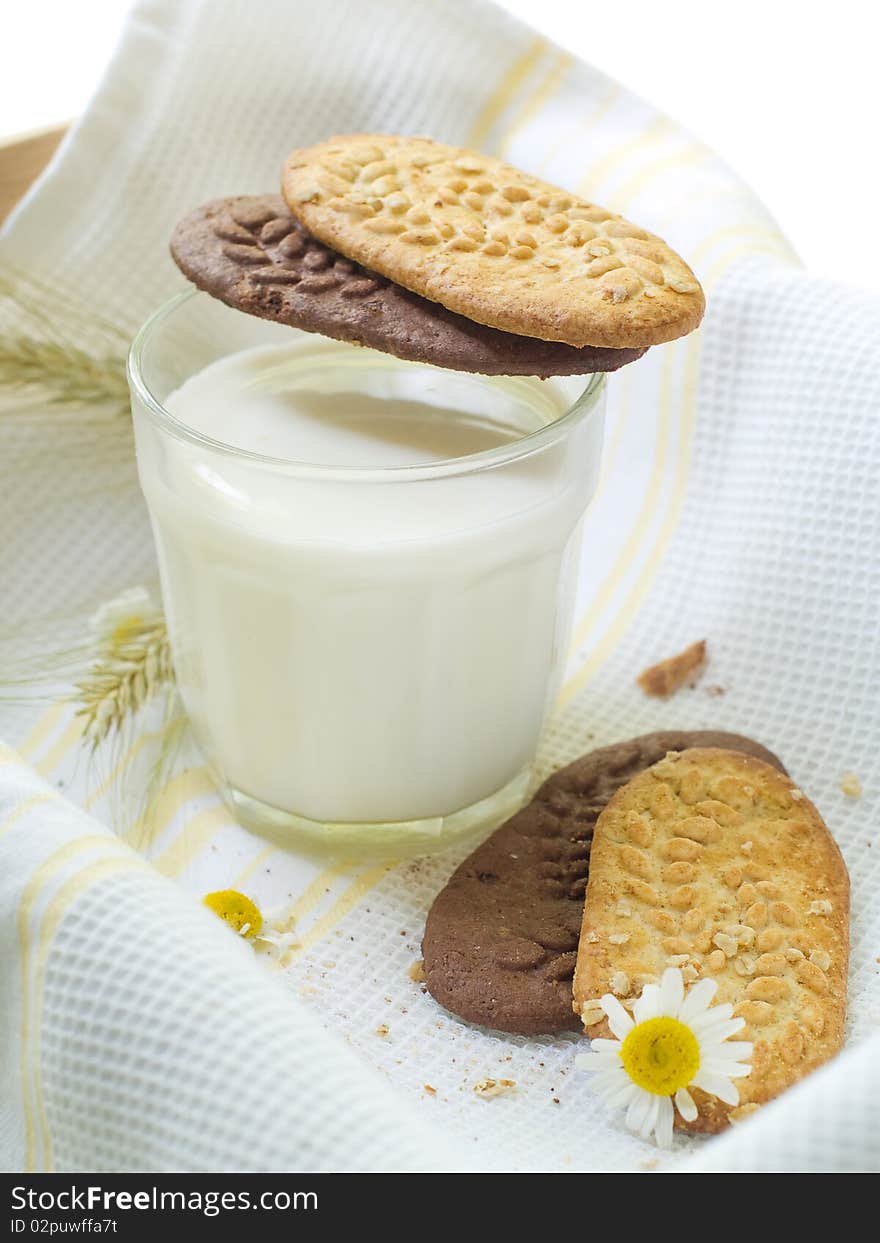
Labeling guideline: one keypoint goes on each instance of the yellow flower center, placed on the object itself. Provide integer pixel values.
(237, 910)
(661, 1055)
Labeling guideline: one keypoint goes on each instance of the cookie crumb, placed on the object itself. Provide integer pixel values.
(431, 1091)
(851, 786)
(649, 1163)
(487, 1088)
(742, 1112)
(382, 1029)
(716, 691)
(664, 679)
(416, 971)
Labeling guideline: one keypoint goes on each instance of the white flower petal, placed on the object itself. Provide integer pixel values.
(622, 1095)
(609, 1081)
(684, 1103)
(731, 1070)
(671, 992)
(650, 1120)
(739, 1048)
(610, 1056)
(618, 1019)
(716, 1032)
(638, 1110)
(606, 1076)
(715, 1014)
(601, 1044)
(716, 1085)
(601, 1060)
(713, 1039)
(698, 999)
(730, 1018)
(718, 1056)
(665, 1120)
(648, 1005)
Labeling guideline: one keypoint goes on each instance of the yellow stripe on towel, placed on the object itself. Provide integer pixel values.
(504, 93)
(533, 105)
(32, 890)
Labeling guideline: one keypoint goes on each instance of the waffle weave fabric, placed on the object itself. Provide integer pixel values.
(740, 503)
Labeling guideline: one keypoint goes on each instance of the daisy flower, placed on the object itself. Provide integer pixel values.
(270, 933)
(673, 1041)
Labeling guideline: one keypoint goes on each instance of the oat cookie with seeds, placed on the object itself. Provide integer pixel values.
(492, 243)
(727, 871)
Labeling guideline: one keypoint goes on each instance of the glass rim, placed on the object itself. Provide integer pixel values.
(523, 446)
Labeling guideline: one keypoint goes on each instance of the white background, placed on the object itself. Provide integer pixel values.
(787, 91)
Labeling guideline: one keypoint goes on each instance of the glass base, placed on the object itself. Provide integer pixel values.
(376, 840)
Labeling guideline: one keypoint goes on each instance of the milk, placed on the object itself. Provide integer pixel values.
(370, 626)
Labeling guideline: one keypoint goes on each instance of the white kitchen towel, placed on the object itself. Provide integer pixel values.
(140, 1035)
(739, 502)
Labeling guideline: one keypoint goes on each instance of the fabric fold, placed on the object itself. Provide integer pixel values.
(141, 1035)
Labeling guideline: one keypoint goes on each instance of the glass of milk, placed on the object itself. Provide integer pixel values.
(367, 570)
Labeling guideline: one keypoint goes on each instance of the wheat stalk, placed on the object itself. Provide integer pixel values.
(133, 662)
(64, 373)
(132, 659)
(54, 347)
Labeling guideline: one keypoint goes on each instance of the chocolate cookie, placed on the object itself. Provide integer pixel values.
(252, 254)
(501, 939)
